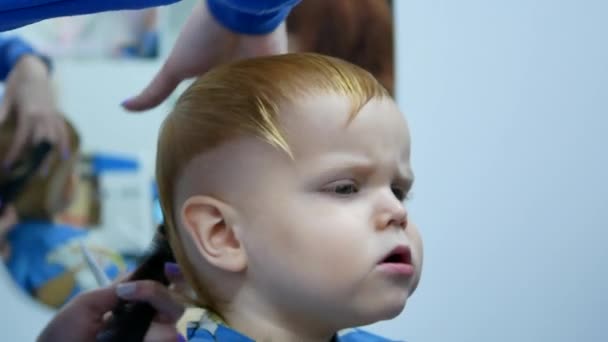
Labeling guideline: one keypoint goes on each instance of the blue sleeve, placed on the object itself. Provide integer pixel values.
(11, 49)
(251, 16)
(17, 13)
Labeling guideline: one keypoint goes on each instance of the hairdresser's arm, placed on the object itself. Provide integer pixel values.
(16, 13)
(12, 48)
(28, 93)
(83, 317)
(218, 31)
(251, 17)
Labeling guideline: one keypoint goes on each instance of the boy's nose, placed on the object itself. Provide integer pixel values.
(392, 213)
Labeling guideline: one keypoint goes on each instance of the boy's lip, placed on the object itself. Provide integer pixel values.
(400, 254)
(398, 261)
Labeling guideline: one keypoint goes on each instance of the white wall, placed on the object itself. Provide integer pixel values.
(508, 107)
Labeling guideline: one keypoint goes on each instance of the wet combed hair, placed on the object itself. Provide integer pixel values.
(245, 98)
(41, 197)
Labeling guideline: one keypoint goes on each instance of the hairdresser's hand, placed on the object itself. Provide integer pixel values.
(202, 44)
(83, 317)
(29, 93)
(179, 285)
(7, 220)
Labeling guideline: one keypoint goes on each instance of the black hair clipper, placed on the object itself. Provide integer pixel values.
(21, 173)
(131, 320)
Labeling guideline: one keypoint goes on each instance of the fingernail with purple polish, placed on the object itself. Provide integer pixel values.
(180, 338)
(125, 289)
(172, 269)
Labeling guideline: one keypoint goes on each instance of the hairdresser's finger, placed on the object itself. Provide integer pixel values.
(62, 138)
(7, 220)
(174, 273)
(273, 43)
(82, 316)
(22, 133)
(178, 282)
(40, 133)
(97, 302)
(50, 127)
(163, 333)
(4, 105)
(156, 92)
(155, 294)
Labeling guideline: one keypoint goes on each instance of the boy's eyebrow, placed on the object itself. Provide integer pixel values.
(340, 163)
(406, 179)
(360, 166)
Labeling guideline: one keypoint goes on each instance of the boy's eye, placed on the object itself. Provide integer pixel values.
(342, 188)
(399, 193)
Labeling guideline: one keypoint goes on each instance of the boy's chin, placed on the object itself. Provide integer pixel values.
(384, 312)
(392, 310)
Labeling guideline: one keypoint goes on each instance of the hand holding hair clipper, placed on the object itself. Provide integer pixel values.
(131, 320)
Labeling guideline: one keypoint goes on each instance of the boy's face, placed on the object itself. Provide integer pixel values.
(317, 229)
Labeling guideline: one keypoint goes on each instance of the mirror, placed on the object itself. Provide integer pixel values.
(112, 35)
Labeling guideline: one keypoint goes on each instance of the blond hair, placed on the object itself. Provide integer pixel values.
(41, 197)
(245, 98)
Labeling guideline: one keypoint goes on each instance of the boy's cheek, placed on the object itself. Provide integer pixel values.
(413, 233)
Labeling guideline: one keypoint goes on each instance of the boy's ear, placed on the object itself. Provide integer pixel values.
(211, 224)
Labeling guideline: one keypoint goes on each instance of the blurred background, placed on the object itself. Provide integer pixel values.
(508, 107)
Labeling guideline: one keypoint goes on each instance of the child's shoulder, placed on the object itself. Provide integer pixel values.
(358, 335)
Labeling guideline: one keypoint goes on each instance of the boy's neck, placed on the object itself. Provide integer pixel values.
(262, 323)
(264, 329)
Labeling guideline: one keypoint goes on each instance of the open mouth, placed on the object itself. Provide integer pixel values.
(398, 262)
(399, 255)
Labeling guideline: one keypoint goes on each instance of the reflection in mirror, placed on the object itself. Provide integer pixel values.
(112, 35)
(41, 250)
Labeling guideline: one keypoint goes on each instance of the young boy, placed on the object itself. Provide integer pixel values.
(45, 258)
(282, 181)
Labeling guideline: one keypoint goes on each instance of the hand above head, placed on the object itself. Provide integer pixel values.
(29, 94)
(202, 44)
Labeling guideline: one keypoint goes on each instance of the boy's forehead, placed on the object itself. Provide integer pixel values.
(334, 121)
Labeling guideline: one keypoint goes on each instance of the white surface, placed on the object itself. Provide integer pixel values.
(21, 318)
(508, 107)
